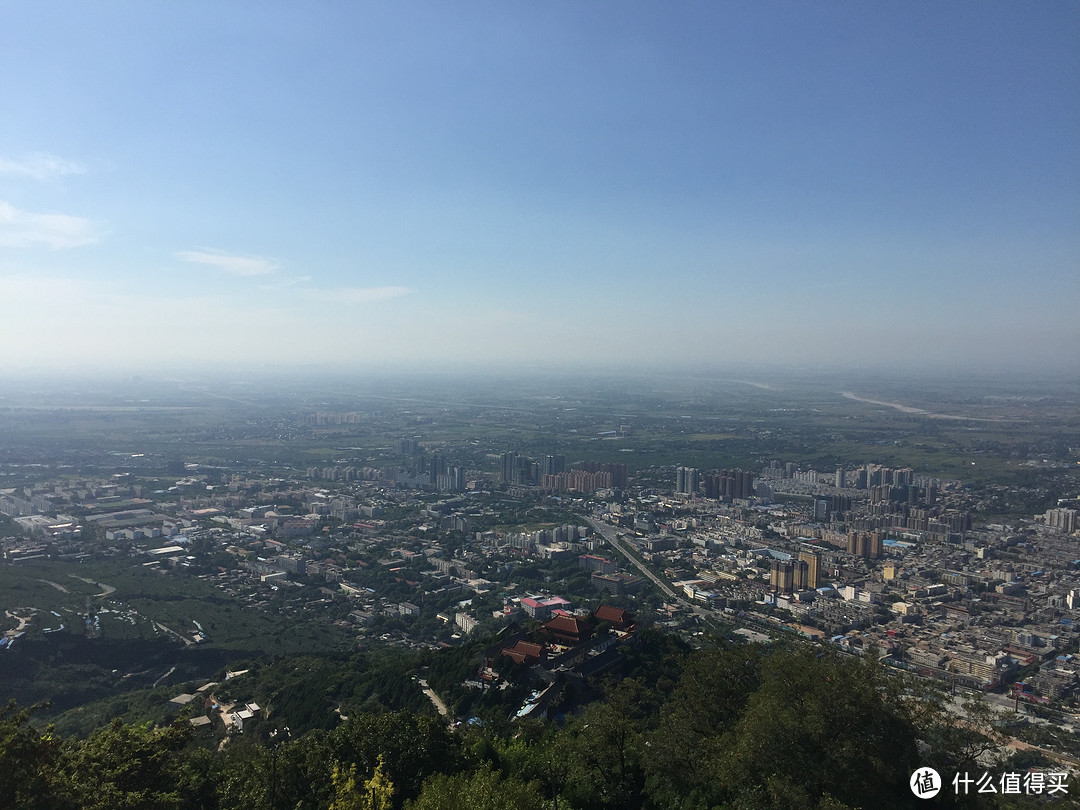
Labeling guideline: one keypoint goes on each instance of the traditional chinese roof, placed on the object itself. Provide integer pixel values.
(616, 616)
(569, 628)
(524, 651)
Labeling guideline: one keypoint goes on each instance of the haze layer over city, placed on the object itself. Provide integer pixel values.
(489, 406)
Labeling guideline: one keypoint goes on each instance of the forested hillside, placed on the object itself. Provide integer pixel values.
(727, 727)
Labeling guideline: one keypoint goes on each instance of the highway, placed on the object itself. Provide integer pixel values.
(608, 532)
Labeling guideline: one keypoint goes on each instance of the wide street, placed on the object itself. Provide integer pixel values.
(608, 532)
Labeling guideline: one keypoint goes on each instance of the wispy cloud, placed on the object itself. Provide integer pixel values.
(355, 295)
(40, 166)
(26, 229)
(231, 263)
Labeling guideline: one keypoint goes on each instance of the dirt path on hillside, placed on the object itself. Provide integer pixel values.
(106, 590)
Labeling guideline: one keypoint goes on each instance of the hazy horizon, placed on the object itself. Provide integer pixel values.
(500, 383)
(583, 187)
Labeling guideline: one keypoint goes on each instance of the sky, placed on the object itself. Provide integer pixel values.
(558, 184)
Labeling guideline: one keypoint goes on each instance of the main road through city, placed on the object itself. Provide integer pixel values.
(608, 532)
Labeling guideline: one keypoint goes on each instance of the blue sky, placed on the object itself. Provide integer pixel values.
(441, 184)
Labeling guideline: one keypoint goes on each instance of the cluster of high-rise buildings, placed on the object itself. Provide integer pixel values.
(577, 481)
(1061, 520)
(550, 473)
(797, 573)
(866, 544)
(617, 470)
(520, 469)
(725, 485)
(341, 473)
(321, 418)
(728, 485)
(421, 470)
(864, 477)
(687, 480)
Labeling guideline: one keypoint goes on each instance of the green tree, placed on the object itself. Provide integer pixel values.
(710, 696)
(412, 748)
(607, 747)
(27, 760)
(536, 753)
(125, 766)
(377, 792)
(819, 727)
(483, 789)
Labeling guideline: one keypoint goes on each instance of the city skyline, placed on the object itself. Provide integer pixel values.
(426, 186)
